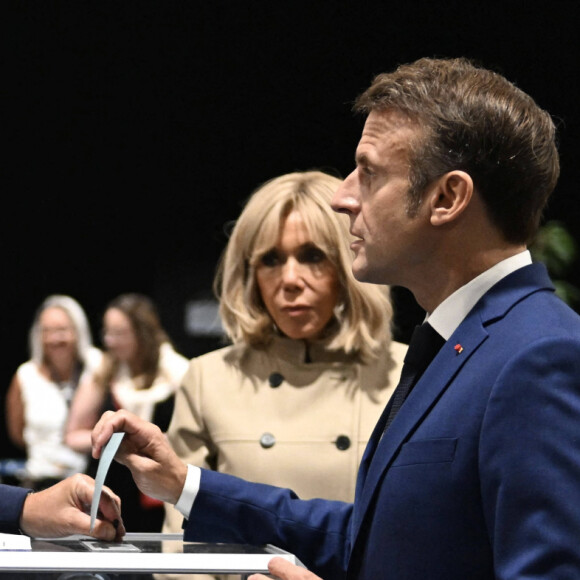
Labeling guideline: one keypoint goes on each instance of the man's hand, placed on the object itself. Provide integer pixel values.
(156, 469)
(63, 509)
(285, 571)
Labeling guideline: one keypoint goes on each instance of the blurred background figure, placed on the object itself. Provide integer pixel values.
(38, 400)
(140, 372)
(292, 402)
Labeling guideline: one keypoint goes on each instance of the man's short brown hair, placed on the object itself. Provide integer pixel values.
(475, 120)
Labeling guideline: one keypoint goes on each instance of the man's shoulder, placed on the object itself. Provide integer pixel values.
(526, 294)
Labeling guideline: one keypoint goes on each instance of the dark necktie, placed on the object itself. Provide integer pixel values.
(424, 345)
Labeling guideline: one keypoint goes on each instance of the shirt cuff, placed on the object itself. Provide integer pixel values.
(190, 489)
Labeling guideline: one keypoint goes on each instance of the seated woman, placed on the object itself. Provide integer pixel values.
(38, 399)
(294, 399)
(140, 372)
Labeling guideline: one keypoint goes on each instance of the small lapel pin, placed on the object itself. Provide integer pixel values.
(458, 348)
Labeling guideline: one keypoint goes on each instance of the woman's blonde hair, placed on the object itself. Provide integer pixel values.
(363, 313)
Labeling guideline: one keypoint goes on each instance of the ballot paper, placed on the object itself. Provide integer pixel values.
(14, 542)
(107, 455)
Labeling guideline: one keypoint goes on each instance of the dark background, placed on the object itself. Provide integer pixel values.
(133, 131)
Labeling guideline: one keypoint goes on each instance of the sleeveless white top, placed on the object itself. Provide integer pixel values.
(45, 415)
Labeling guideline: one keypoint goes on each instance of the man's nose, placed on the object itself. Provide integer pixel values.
(345, 199)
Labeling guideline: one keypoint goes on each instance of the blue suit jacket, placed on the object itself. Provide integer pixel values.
(11, 502)
(478, 477)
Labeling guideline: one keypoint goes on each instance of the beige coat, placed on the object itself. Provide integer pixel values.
(267, 416)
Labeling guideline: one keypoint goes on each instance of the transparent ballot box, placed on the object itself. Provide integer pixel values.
(139, 554)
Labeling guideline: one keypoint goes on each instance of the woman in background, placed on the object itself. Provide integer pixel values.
(37, 402)
(140, 372)
(293, 400)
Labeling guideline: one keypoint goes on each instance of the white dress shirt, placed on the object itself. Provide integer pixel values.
(451, 312)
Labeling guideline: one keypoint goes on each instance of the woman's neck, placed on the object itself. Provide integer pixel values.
(61, 370)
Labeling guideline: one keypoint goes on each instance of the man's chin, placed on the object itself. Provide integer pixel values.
(363, 273)
(360, 272)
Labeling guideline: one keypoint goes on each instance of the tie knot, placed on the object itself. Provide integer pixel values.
(424, 345)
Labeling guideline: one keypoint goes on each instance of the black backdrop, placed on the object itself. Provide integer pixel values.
(134, 130)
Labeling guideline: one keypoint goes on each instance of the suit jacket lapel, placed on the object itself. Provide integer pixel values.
(418, 404)
(470, 334)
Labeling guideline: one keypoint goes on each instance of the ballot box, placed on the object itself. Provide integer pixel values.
(136, 554)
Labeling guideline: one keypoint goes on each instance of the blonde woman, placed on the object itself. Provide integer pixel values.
(62, 356)
(293, 400)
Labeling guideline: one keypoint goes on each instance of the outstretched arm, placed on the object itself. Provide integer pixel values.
(227, 508)
(62, 510)
(155, 467)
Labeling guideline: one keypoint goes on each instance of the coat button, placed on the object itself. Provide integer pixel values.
(342, 442)
(267, 440)
(275, 380)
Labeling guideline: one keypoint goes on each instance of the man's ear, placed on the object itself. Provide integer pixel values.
(449, 197)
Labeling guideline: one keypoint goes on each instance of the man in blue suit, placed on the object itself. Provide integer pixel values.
(478, 474)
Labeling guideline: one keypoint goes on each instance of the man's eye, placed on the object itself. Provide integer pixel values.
(270, 259)
(312, 255)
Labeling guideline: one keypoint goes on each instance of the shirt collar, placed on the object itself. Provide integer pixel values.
(451, 312)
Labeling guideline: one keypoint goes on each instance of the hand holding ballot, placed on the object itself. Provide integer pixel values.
(62, 510)
(156, 469)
